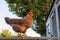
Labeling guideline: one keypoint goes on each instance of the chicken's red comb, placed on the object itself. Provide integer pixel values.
(30, 13)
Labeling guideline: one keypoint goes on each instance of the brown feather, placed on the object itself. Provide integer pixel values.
(20, 25)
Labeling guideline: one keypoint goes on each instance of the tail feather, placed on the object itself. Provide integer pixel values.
(7, 20)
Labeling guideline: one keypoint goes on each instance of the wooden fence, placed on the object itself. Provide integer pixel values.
(29, 38)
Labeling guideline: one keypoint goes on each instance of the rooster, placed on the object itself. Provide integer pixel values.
(21, 25)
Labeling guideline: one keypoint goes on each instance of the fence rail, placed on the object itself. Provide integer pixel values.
(30, 38)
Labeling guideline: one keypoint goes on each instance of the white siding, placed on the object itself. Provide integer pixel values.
(52, 23)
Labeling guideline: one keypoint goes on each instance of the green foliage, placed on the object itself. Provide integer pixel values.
(21, 35)
(40, 8)
(6, 33)
(0, 35)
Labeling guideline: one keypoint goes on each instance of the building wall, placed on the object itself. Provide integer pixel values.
(54, 26)
(48, 27)
(53, 21)
(59, 17)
